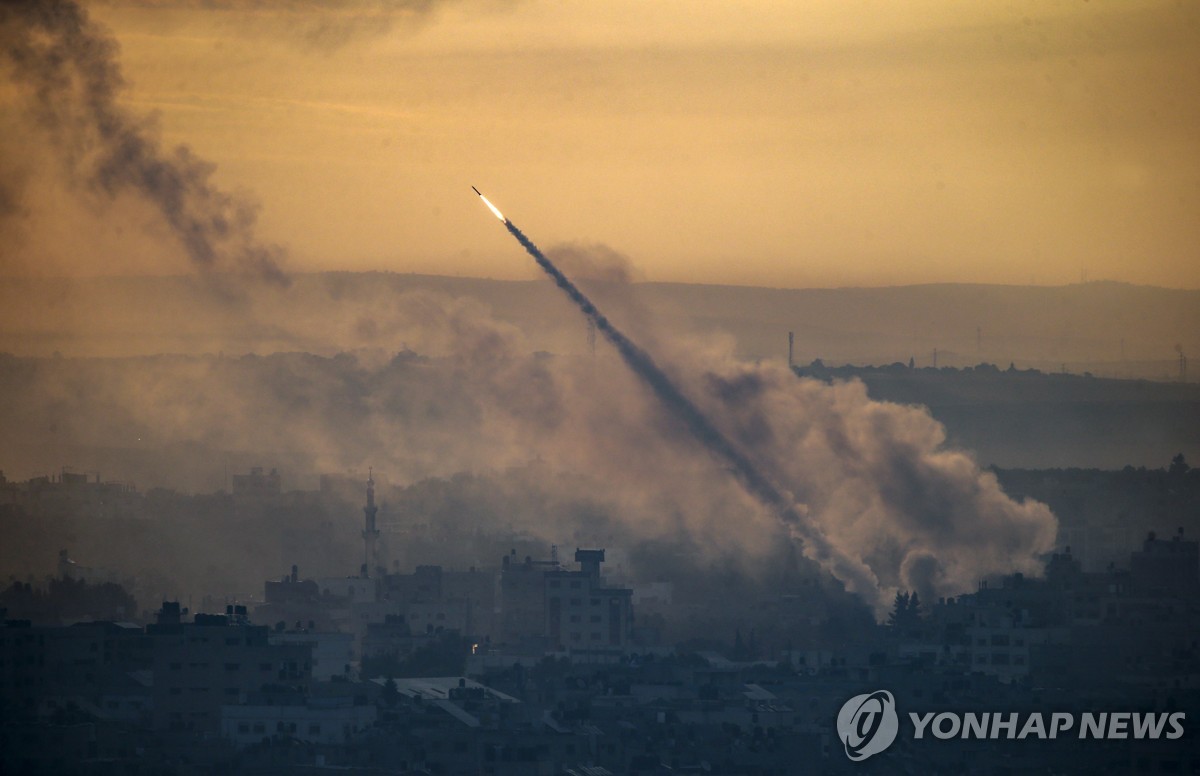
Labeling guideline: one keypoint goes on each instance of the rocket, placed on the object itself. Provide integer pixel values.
(491, 207)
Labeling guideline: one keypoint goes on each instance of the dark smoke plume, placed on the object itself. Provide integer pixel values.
(854, 574)
(66, 66)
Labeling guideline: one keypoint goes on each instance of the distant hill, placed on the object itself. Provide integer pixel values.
(1079, 326)
(1109, 329)
(79, 411)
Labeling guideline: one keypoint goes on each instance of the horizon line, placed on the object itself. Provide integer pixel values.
(6, 278)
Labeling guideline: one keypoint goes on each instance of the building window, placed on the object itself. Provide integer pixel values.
(260, 727)
(575, 584)
(576, 601)
(594, 618)
(555, 584)
(574, 618)
(232, 666)
(575, 637)
(595, 636)
(243, 727)
(314, 730)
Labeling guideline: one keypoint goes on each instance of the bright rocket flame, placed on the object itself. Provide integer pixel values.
(493, 208)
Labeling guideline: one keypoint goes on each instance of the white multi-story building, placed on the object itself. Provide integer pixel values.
(582, 612)
(1002, 649)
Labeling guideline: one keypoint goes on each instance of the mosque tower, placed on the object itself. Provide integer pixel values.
(370, 532)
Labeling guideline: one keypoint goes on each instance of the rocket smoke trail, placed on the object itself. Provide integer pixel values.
(854, 574)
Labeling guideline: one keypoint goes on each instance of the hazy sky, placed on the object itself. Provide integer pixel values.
(800, 143)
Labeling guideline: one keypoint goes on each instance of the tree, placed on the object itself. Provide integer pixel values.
(391, 693)
(899, 610)
(906, 611)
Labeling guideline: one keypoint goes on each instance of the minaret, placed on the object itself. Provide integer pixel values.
(370, 533)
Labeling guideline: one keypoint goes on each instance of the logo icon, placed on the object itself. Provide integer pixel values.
(867, 724)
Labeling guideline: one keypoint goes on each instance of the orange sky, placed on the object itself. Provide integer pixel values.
(816, 143)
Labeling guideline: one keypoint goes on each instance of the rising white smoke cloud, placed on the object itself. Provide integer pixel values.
(467, 394)
(879, 483)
